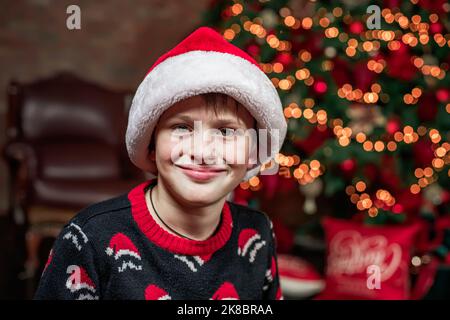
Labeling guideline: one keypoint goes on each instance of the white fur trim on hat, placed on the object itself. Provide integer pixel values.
(198, 72)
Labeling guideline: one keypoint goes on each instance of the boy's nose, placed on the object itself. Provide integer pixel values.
(205, 150)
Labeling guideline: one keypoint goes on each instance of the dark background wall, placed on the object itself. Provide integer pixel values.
(117, 43)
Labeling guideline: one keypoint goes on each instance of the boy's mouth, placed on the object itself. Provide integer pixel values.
(201, 173)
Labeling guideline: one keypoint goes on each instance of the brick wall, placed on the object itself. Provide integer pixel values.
(117, 43)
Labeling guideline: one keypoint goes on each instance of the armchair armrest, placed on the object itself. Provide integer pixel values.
(20, 154)
(18, 150)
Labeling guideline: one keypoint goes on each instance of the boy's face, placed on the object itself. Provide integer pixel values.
(201, 152)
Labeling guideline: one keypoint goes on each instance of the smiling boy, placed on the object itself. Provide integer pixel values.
(176, 236)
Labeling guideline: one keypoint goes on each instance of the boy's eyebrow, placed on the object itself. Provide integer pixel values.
(218, 121)
(181, 117)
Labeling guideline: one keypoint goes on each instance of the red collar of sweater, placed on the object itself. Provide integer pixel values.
(174, 243)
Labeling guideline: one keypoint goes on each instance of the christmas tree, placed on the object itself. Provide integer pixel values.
(365, 88)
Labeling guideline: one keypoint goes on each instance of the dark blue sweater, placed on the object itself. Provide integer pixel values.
(116, 250)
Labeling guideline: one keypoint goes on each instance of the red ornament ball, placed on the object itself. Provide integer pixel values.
(320, 87)
(356, 27)
(443, 95)
(392, 126)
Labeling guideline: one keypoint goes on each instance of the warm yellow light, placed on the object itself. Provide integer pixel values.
(408, 130)
(321, 116)
(296, 113)
(440, 152)
(418, 173)
(277, 67)
(244, 185)
(375, 88)
(415, 189)
(273, 41)
(373, 212)
(350, 190)
(360, 186)
(307, 23)
(337, 122)
(438, 163)
(284, 84)
(254, 181)
(344, 141)
(337, 12)
(324, 22)
(305, 56)
(408, 99)
(352, 43)
(229, 34)
(350, 51)
(366, 203)
(423, 182)
(302, 74)
(289, 21)
(379, 146)
(416, 19)
(428, 172)
(360, 137)
(387, 35)
(434, 136)
(403, 22)
(398, 136)
(308, 113)
(434, 17)
(391, 146)
(236, 9)
(298, 173)
(332, 32)
(368, 146)
(287, 112)
(370, 97)
(309, 102)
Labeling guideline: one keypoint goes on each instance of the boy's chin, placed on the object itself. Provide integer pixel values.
(202, 193)
(204, 189)
(200, 198)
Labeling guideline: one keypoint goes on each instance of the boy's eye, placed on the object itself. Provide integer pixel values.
(181, 129)
(227, 132)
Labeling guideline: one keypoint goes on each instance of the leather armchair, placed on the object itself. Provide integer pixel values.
(65, 150)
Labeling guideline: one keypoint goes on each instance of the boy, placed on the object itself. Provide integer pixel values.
(176, 236)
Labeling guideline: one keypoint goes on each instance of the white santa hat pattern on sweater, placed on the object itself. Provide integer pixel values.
(120, 246)
(246, 239)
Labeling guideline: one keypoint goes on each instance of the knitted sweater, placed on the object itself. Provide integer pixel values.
(116, 250)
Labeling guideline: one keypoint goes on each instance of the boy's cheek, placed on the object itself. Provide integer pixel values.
(167, 147)
(239, 152)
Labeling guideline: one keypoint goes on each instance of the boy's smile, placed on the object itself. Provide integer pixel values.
(202, 172)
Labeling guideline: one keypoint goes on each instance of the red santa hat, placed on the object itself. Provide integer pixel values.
(226, 292)
(202, 63)
(120, 245)
(153, 292)
(79, 279)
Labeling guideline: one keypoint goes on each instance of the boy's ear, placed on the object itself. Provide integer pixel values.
(152, 155)
(152, 149)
